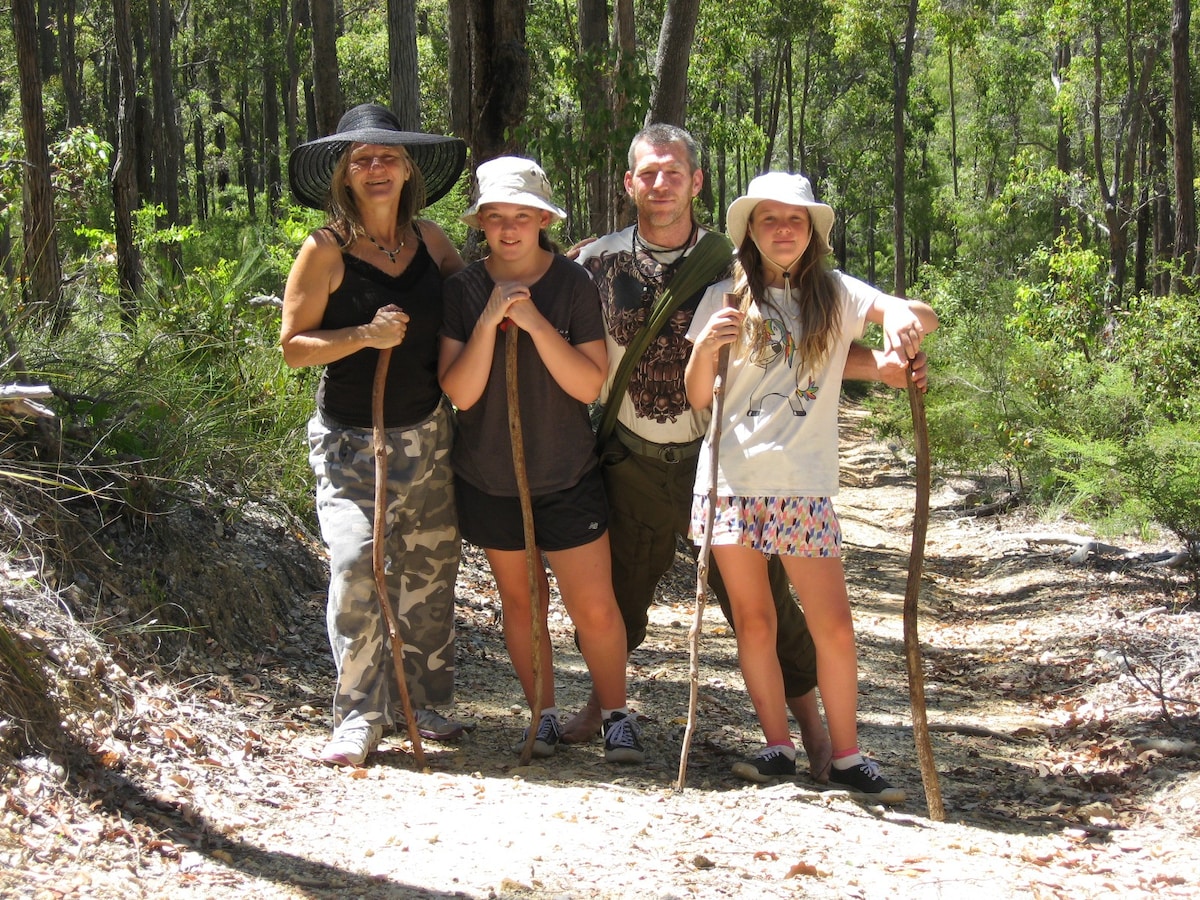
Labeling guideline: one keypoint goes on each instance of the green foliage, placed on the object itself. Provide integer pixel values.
(1062, 305)
(363, 61)
(194, 398)
(1158, 340)
(1164, 470)
(980, 414)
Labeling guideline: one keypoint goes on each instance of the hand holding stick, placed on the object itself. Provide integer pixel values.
(379, 439)
(702, 558)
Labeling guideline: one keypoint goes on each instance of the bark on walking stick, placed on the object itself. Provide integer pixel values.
(511, 333)
(702, 558)
(912, 644)
(379, 439)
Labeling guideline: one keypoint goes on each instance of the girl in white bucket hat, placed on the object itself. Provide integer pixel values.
(777, 466)
(562, 363)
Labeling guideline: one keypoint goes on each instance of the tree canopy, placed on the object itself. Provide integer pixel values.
(1027, 167)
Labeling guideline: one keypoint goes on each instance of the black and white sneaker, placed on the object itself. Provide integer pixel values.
(623, 739)
(546, 740)
(768, 764)
(864, 779)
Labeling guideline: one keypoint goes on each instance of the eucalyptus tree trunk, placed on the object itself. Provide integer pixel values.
(166, 150)
(403, 76)
(669, 100)
(788, 92)
(246, 147)
(291, 54)
(458, 62)
(201, 162)
(489, 79)
(327, 90)
(1062, 145)
(71, 67)
(1117, 196)
(41, 260)
(124, 176)
(804, 98)
(270, 114)
(46, 56)
(594, 102)
(771, 126)
(1156, 207)
(902, 57)
(625, 40)
(1186, 249)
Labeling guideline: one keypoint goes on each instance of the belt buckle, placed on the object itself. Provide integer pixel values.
(670, 454)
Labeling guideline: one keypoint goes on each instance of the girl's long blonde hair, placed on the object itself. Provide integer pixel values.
(814, 292)
(342, 213)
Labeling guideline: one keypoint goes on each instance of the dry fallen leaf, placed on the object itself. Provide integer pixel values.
(803, 868)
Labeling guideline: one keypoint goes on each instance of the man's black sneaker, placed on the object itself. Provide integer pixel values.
(864, 778)
(622, 739)
(768, 764)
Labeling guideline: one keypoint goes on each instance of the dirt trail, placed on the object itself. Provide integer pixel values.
(1053, 786)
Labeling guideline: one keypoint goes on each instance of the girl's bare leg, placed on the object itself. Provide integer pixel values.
(745, 574)
(584, 577)
(820, 583)
(512, 579)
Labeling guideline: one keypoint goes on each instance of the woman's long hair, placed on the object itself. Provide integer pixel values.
(342, 214)
(814, 295)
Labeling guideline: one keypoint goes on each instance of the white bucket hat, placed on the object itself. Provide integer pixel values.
(512, 179)
(783, 187)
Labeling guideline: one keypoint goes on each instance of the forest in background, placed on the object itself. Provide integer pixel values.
(1027, 168)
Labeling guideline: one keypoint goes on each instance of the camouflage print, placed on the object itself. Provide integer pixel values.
(421, 562)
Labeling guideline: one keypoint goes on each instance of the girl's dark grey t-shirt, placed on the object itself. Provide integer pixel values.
(557, 433)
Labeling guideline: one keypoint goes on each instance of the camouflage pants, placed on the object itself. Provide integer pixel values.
(421, 561)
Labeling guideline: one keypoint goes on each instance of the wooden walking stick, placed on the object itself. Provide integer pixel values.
(379, 438)
(912, 644)
(516, 435)
(702, 558)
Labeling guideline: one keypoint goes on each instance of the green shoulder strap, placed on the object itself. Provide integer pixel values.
(709, 259)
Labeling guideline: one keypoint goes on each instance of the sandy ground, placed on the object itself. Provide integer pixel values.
(1062, 698)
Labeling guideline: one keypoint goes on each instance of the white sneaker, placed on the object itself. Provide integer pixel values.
(351, 742)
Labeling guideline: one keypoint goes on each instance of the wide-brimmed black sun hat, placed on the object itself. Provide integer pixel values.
(440, 158)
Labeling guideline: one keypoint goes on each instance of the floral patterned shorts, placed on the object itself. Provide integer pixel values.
(787, 526)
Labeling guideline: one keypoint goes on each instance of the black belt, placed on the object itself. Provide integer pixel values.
(668, 453)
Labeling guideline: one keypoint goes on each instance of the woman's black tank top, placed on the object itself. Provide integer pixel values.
(412, 392)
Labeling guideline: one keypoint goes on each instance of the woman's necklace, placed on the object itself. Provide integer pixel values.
(391, 254)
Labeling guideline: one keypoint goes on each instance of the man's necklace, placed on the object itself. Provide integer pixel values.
(658, 272)
(391, 254)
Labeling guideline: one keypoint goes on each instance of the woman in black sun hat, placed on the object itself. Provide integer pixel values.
(371, 279)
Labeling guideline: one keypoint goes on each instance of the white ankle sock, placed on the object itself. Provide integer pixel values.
(848, 762)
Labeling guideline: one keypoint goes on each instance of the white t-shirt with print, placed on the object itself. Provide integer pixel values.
(779, 437)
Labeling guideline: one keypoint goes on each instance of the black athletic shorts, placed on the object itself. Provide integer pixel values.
(561, 520)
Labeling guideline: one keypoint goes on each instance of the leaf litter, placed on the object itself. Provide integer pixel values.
(1062, 700)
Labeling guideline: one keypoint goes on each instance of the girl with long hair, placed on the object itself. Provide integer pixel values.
(778, 461)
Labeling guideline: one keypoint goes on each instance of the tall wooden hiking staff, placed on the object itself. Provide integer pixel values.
(702, 558)
(516, 435)
(912, 644)
(379, 438)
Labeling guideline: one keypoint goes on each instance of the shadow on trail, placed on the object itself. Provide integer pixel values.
(121, 797)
